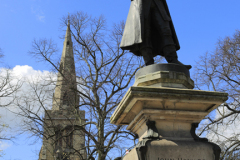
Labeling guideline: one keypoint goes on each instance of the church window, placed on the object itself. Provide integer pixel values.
(69, 137)
(65, 99)
(58, 136)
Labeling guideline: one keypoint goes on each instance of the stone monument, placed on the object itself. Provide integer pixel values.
(161, 107)
(163, 110)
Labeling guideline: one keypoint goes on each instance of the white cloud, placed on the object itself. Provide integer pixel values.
(34, 82)
(225, 132)
(29, 73)
(4, 145)
(38, 12)
(41, 18)
(42, 81)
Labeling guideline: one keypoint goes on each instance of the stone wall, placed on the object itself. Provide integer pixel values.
(59, 121)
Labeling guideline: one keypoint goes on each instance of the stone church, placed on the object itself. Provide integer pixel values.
(62, 135)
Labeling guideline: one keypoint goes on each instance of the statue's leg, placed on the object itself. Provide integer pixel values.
(169, 49)
(163, 27)
(146, 45)
(171, 55)
(147, 55)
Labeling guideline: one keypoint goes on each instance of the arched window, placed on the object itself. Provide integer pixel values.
(58, 137)
(69, 137)
(65, 99)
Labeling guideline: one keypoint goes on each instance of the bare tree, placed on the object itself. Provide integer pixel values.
(220, 71)
(104, 73)
(9, 86)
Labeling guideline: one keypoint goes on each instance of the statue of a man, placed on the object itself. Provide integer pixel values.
(149, 31)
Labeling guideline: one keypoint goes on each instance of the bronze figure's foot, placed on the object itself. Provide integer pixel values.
(176, 61)
(149, 62)
(171, 56)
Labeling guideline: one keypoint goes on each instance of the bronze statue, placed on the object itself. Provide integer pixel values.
(149, 31)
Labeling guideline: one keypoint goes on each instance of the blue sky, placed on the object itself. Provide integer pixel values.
(198, 23)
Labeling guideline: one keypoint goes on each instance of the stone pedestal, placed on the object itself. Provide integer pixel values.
(163, 109)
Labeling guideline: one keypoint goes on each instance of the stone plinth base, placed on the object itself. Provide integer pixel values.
(164, 111)
(164, 75)
(173, 150)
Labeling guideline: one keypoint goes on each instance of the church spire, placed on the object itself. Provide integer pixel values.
(65, 95)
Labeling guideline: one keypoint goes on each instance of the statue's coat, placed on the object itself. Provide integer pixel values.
(134, 27)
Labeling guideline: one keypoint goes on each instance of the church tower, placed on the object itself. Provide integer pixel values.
(62, 136)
